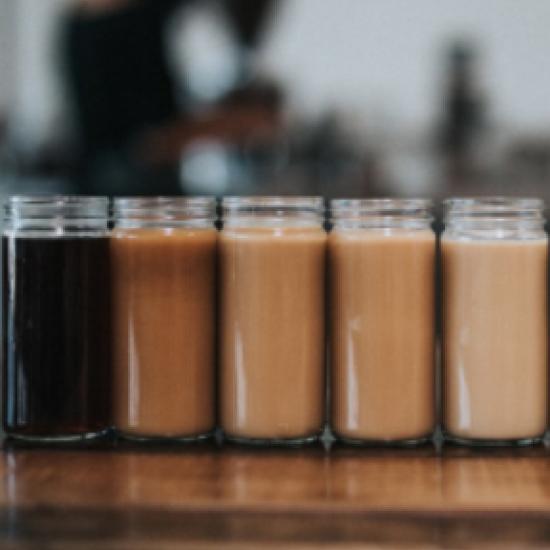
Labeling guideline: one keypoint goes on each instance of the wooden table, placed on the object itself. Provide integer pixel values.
(206, 497)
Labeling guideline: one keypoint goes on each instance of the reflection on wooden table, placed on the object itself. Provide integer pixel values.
(205, 495)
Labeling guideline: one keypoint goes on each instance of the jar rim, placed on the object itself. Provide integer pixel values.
(164, 211)
(381, 205)
(493, 205)
(49, 207)
(272, 211)
(262, 202)
(56, 200)
(164, 201)
(56, 214)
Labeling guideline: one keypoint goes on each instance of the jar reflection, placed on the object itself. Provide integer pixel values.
(282, 477)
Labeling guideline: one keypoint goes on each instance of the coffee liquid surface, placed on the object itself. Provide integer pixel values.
(272, 332)
(164, 331)
(56, 370)
(495, 338)
(382, 333)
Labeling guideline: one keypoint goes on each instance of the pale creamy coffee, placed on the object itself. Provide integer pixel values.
(495, 338)
(382, 333)
(272, 323)
(164, 303)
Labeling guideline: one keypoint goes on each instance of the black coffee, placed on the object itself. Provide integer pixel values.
(56, 335)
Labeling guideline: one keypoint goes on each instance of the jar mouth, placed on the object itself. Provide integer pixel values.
(493, 207)
(381, 207)
(62, 204)
(495, 217)
(57, 199)
(152, 202)
(50, 207)
(141, 212)
(56, 214)
(145, 206)
(273, 210)
(381, 214)
(260, 203)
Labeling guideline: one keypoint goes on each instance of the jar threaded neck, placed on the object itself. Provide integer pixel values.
(164, 211)
(381, 213)
(495, 217)
(57, 213)
(273, 210)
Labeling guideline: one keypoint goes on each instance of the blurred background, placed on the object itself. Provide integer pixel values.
(331, 97)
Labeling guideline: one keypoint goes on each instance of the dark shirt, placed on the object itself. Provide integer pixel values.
(118, 71)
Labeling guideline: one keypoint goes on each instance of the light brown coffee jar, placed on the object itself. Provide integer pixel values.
(272, 345)
(494, 261)
(163, 281)
(381, 317)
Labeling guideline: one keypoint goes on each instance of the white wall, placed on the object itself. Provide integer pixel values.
(39, 97)
(7, 54)
(388, 54)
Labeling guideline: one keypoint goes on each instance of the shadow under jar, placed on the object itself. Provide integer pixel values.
(272, 292)
(382, 292)
(163, 260)
(494, 261)
(56, 360)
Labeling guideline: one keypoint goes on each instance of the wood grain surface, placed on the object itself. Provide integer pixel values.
(207, 497)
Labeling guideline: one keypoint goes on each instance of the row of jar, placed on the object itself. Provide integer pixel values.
(164, 327)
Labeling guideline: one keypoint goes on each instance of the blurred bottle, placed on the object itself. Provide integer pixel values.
(464, 112)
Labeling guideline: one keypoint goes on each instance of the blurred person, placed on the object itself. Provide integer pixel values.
(131, 122)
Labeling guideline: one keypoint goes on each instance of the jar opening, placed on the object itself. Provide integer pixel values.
(495, 217)
(497, 207)
(273, 210)
(57, 213)
(385, 212)
(57, 205)
(164, 211)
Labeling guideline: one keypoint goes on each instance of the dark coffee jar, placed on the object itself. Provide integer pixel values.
(56, 353)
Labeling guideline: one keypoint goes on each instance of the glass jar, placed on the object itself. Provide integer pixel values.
(272, 269)
(163, 262)
(56, 360)
(494, 262)
(382, 293)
